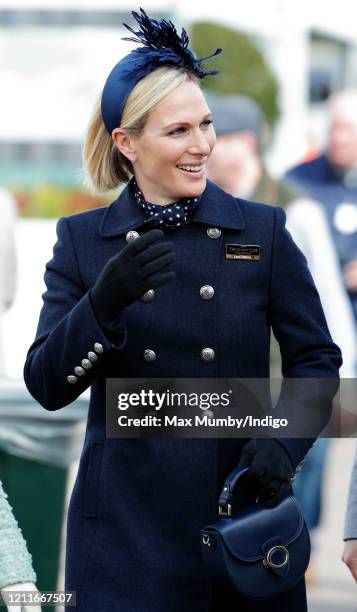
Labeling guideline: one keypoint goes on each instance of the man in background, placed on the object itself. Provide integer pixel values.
(331, 179)
(237, 160)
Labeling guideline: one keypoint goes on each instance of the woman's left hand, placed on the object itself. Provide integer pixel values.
(270, 469)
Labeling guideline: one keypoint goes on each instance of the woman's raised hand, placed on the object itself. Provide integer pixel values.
(142, 265)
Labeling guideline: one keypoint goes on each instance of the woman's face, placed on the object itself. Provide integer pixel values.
(178, 132)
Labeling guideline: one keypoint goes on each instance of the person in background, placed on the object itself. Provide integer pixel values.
(349, 554)
(237, 161)
(331, 180)
(324, 225)
(308, 224)
(7, 260)
(16, 571)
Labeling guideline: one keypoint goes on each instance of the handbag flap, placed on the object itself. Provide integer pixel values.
(246, 533)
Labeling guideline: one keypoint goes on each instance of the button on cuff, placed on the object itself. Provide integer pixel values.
(98, 347)
(79, 371)
(86, 364)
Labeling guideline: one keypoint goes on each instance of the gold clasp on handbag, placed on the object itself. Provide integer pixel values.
(268, 562)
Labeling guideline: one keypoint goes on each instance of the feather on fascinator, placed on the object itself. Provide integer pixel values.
(161, 45)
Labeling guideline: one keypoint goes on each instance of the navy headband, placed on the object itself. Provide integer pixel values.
(162, 46)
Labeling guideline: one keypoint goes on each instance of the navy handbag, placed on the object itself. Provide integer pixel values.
(258, 551)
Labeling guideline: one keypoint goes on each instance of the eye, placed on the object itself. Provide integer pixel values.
(178, 130)
(207, 122)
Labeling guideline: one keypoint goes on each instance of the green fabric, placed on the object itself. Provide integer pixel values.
(273, 191)
(37, 493)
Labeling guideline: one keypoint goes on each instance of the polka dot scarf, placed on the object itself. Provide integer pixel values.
(171, 215)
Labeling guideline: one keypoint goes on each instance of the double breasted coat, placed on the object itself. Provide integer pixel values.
(138, 505)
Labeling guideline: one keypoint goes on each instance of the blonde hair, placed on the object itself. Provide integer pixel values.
(105, 166)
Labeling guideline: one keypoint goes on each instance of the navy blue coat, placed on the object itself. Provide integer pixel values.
(138, 505)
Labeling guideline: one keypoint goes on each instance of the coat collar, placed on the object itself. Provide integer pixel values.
(217, 208)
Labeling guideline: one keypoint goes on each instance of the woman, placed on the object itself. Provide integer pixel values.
(127, 298)
(16, 571)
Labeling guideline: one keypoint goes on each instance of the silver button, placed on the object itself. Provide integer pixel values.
(207, 354)
(149, 355)
(72, 379)
(206, 292)
(98, 348)
(132, 235)
(79, 371)
(92, 356)
(214, 232)
(148, 296)
(86, 364)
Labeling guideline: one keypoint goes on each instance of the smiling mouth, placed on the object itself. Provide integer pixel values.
(192, 169)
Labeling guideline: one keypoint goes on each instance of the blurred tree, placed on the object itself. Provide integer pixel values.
(242, 66)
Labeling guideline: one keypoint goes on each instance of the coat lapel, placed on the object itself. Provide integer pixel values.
(217, 208)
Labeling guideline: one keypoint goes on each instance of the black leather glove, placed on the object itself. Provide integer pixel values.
(270, 469)
(129, 274)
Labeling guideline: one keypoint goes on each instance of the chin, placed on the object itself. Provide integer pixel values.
(196, 189)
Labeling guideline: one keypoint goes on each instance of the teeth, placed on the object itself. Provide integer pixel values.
(191, 168)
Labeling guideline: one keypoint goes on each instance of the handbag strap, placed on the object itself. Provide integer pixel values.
(225, 498)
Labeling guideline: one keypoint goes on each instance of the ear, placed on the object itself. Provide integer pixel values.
(125, 143)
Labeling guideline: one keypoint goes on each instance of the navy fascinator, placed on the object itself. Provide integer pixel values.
(161, 45)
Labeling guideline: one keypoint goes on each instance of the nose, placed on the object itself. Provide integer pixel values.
(199, 144)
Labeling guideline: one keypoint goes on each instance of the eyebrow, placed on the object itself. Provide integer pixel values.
(208, 116)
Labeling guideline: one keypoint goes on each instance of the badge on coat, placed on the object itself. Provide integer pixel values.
(345, 218)
(243, 251)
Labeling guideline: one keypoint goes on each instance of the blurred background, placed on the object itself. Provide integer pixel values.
(287, 59)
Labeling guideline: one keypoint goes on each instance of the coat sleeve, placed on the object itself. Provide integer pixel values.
(67, 331)
(299, 324)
